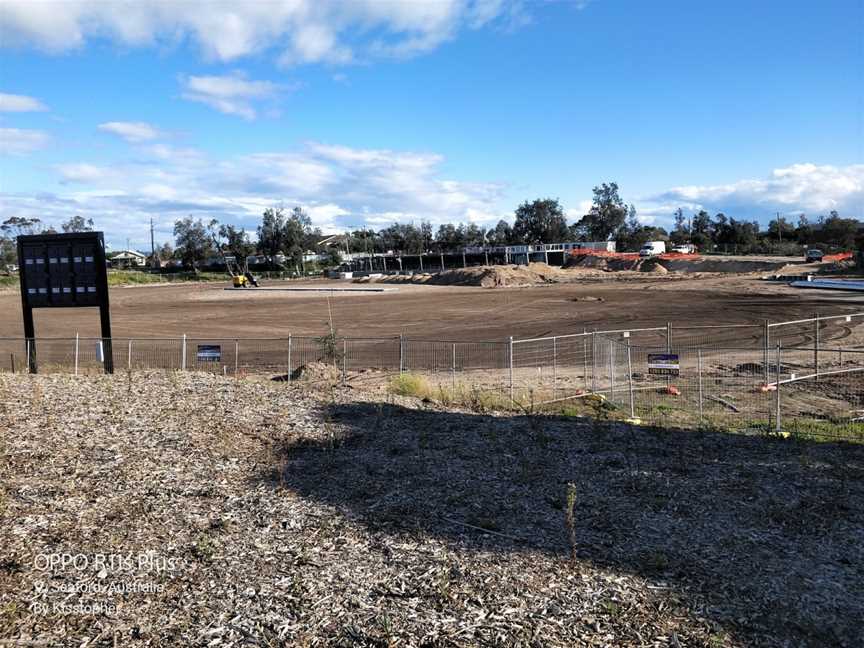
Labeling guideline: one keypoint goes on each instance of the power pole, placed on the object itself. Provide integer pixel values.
(366, 248)
(152, 246)
(779, 229)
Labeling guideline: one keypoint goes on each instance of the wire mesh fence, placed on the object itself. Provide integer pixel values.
(804, 377)
(819, 330)
(732, 388)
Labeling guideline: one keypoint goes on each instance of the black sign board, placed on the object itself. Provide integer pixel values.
(63, 271)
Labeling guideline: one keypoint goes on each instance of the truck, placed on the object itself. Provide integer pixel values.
(652, 248)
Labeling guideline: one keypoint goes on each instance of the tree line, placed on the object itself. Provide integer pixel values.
(286, 235)
(282, 237)
(16, 226)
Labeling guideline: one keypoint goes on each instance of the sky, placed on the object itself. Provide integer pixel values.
(369, 112)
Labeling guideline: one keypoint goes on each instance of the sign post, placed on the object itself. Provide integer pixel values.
(64, 271)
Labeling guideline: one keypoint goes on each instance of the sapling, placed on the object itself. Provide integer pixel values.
(569, 518)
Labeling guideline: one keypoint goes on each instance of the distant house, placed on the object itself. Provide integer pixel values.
(128, 259)
(313, 257)
(264, 260)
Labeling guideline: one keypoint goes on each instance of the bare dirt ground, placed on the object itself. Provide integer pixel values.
(261, 514)
(590, 299)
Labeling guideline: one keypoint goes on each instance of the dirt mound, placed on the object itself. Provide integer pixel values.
(678, 264)
(707, 264)
(317, 372)
(487, 276)
(587, 261)
(499, 276)
(608, 263)
(533, 274)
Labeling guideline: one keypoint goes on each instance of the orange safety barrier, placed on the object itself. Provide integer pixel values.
(840, 256)
(679, 255)
(605, 254)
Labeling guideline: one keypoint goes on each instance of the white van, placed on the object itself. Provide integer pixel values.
(652, 248)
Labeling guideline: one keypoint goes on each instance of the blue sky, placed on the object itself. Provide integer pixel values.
(371, 112)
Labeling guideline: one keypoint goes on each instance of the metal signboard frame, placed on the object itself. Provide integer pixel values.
(64, 271)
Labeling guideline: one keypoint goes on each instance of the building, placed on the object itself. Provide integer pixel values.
(128, 259)
(314, 257)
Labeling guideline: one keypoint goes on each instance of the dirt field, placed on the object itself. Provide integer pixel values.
(439, 312)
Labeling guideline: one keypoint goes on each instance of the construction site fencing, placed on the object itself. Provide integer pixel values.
(804, 376)
(356, 358)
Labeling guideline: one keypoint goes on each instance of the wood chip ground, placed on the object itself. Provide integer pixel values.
(271, 515)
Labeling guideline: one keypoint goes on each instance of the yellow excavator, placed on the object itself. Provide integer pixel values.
(240, 279)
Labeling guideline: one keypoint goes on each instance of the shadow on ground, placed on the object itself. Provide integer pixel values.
(761, 536)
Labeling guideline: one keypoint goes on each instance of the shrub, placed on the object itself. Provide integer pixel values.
(408, 384)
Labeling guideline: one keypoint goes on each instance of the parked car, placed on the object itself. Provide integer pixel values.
(814, 256)
(685, 248)
(652, 248)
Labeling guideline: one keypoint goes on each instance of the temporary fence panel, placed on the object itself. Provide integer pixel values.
(737, 335)
(828, 406)
(819, 330)
(682, 386)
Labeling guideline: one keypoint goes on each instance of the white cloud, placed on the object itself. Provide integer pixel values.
(573, 214)
(132, 131)
(299, 31)
(807, 188)
(230, 94)
(82, 172)
(325, 216)
(187, 156)
(159, 192)
(16, 141)
(339, 186)
(315, 43)
(20, 103)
